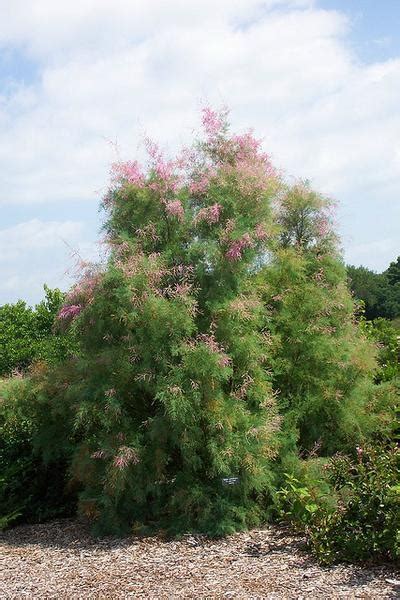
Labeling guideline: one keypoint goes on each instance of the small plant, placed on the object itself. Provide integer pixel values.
(305, 492)
(299, 501)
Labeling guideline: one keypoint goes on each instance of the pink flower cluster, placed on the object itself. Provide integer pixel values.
(214, 122)
(323, 226)
(197, 170)
(209, 340)
(125, 457)
(129, 172)
(99, 454)
(209, 214)
(253, 174)
(246, 145)
(182, 271)
(224, 361)
(148, 232)
(200, 181)
(69, 312)
(82, 292)
(240, 157)
(246, 148)
(176, 291)
(175, 209)
(182, 282)
(260, 233)
(165, 170)
(221, 157)
(234, 253)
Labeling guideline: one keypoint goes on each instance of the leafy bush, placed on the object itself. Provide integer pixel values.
(304, 491)
(367, 524)
(322, 364)
(359, 518)
(175, 412)
(16, 337)
(31, 490)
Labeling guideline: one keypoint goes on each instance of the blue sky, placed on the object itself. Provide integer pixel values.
(375, 26)
(319, 80)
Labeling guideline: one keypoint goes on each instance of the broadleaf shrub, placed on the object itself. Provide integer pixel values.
(366, 524)
(348, 506)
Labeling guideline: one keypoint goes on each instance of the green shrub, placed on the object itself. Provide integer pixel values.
(31, 490)
(359, 517)
(173, 405)
(17, 337)
(305, 491)
(322, 362)
(367, 524)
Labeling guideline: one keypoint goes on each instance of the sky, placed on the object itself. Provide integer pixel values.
(318, 80)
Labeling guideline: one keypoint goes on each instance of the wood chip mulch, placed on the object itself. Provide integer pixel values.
(61, 560)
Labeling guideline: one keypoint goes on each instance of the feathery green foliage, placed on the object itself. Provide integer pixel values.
(217, 343)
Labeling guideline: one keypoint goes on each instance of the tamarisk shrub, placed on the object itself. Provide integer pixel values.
(174, 411)
(219, 336)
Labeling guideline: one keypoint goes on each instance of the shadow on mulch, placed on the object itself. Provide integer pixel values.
(364, 575)
(75, 534)
(63, 533)
(72, 534)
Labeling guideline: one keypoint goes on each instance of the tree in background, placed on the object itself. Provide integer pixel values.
(16, 339)
(27, 334)
(380, 292)
(368, 286)
(393, 272)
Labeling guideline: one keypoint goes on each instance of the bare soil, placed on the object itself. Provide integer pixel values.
(62, 560)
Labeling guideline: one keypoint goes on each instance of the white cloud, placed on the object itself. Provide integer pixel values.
(36, 235)
(63, 29)
(112, 70)
(35, 252)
